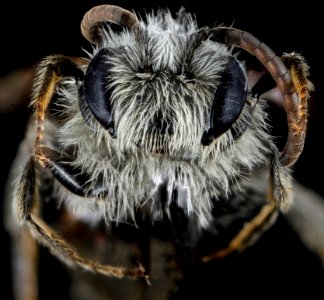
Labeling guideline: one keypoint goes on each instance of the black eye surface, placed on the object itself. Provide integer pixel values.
(228, 102)
(96, 93)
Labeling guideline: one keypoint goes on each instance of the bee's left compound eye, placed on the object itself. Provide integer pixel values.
(96, 93)
(228, 102)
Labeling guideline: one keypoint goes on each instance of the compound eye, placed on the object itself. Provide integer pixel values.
(96, 91)
(228, 102)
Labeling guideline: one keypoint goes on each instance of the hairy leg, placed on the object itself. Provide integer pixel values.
(51, 70)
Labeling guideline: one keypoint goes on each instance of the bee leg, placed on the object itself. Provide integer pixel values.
(299, 71)
(277, 198)
(24, 247)
(248, 233)
(26, 200)
(50, 71)
(71, 177)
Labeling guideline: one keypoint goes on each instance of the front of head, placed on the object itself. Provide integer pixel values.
(162, 105)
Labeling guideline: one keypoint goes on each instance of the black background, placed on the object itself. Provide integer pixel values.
(34, 29)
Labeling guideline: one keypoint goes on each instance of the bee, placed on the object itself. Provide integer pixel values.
(158, 131)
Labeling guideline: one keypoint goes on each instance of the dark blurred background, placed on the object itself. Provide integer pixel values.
(32, 29)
